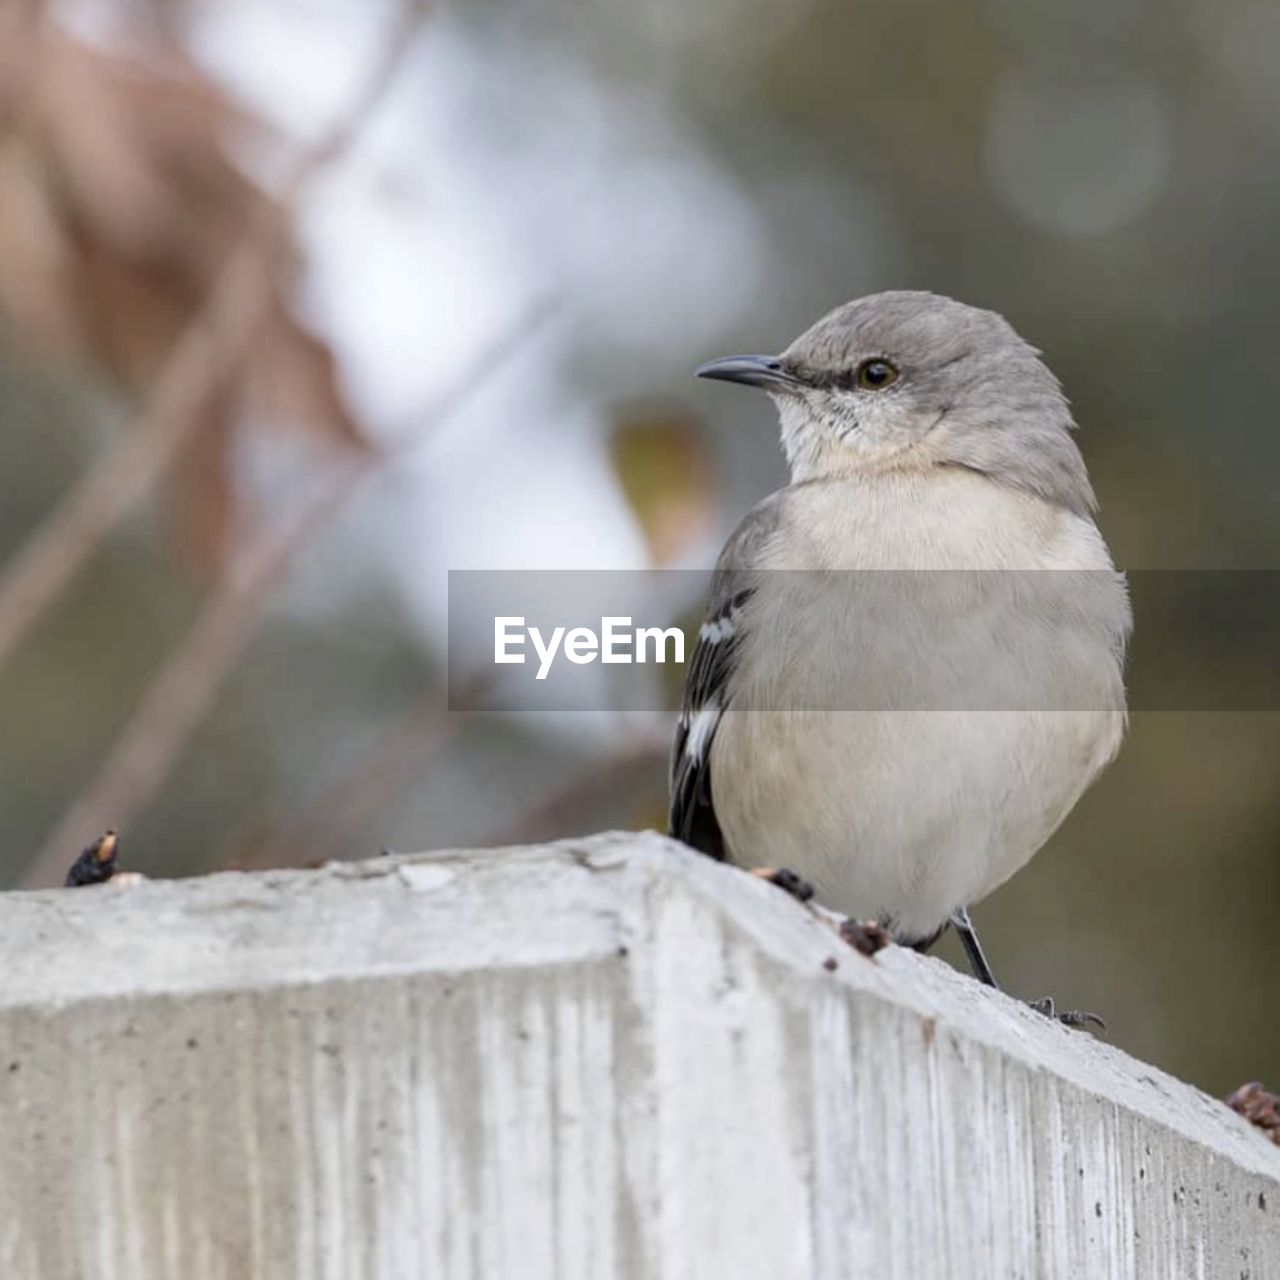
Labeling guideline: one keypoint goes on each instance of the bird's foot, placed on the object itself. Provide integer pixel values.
(1259, 1107)
(800, 889)
(1068, 1017)
(865, 936)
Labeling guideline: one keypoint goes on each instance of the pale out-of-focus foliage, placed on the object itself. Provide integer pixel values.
(662, 459)
(119, 207)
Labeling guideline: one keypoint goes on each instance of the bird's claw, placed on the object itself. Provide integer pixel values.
(1068, 1017)
(865, 936)
(800, 889)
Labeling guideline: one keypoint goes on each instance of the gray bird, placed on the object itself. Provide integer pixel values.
(905, 741)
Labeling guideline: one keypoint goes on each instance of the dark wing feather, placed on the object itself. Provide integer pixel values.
(706, 694)
(709, 684)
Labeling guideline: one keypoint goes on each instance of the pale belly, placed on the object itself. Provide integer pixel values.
(906, 741)
(903, 815)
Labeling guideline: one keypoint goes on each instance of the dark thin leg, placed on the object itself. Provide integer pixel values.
(972, 947)
(982, 971)
(923, 945)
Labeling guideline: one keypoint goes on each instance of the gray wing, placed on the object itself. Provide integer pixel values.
(709, 685)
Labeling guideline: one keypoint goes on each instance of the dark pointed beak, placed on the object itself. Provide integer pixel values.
(753, 371)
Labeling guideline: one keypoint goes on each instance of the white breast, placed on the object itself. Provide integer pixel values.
(906, 740)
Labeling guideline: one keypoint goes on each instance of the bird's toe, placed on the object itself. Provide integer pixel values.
(799, 888)
(865, 936)
(1068, 1017)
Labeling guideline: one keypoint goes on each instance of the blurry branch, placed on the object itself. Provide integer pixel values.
(202, 364)
(119, 208)
(404, 751)
(178, 698)
(638, 759)
(339, 813)
(382, 774)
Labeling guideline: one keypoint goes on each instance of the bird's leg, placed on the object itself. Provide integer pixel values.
(982, 971)
(800, 889)
(961, 923)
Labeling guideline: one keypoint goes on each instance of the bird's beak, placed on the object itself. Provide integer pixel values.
(754, 371)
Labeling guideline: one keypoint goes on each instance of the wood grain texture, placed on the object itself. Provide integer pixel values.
(600, 1058)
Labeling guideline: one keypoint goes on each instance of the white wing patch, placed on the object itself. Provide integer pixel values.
(701, 727)
(721, 628)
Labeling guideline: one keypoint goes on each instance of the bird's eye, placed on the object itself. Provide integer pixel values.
(875, 375)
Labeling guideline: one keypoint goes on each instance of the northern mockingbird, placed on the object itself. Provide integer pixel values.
(905, 742)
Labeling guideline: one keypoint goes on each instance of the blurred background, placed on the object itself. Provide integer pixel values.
(306, 303)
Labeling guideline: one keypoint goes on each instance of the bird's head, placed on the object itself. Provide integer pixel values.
(912, 381)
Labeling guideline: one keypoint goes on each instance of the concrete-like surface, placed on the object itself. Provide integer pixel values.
(602, 1058)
